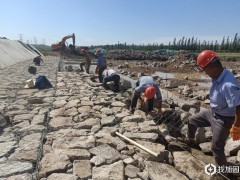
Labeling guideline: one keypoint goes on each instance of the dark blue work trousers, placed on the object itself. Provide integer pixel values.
(113, 77)
(100, 75)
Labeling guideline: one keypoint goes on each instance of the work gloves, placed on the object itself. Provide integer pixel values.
(142, 102)
(143, 105)
(235, 133)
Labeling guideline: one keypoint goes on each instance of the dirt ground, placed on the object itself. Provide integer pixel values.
(185, 71)
(171, 66)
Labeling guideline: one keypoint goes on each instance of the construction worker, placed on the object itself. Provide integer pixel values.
(224, 113)
(149, 87)
(37, 60)
(101, 64)
(87, 62)
(108, 76)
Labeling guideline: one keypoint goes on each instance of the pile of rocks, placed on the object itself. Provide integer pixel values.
(134, 55)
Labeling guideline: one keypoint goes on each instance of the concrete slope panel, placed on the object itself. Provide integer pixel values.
(12, 52)
(34, 49)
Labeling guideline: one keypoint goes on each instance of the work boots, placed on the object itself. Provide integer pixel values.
(189, 141)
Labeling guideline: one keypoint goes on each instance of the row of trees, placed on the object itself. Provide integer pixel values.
(191, 44)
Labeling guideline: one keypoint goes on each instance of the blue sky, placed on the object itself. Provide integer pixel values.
(97, 22)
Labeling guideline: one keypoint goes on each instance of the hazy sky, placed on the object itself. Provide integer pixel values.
(96, 22)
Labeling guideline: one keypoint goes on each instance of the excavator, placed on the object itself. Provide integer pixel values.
(61, 46)
(67, 51)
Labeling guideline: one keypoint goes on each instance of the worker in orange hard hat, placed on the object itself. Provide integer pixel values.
(149, 87)
(224, 113)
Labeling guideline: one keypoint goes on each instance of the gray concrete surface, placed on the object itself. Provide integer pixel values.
(12, 52)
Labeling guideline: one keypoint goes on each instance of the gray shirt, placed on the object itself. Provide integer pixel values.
(146, 81)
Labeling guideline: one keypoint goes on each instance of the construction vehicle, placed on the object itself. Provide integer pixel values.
(70, 51)
(61, 46)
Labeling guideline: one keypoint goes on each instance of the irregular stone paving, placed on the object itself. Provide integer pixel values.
(67, 132)
(80, 142)
(21, 140)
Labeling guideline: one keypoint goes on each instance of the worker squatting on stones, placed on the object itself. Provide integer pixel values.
(38, 60)
(150, 88)
(224, 113)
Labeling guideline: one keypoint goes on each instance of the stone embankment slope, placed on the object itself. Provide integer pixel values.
(21, 140)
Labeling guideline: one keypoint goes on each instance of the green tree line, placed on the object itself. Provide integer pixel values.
(190, 44)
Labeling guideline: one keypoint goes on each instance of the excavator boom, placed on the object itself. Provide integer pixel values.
(61, 45)
(67, 37)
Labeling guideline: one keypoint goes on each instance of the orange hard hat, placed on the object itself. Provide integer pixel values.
(150, 92)
(205, 57)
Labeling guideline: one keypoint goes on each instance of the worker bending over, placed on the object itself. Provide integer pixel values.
(149, 87)
(38, 60)
(108, 76)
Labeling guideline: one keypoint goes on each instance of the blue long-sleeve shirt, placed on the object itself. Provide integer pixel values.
(146, 81)
(225, 94)
(101, 61)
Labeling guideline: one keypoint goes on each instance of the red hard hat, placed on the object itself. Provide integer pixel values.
(205, 57)
(150, 92)
(83, 50)
(98, 51)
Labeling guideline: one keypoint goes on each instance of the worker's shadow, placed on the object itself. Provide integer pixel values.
(4, 122)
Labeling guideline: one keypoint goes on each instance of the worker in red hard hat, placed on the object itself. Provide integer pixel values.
(205, 57)
(87, 62)
(38, 60)
(224, 113)
(149, 87)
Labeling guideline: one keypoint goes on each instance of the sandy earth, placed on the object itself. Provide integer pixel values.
(188, 75)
